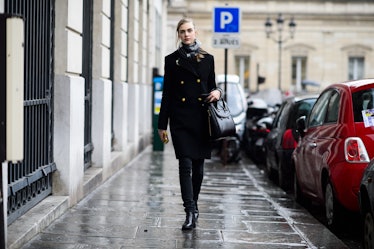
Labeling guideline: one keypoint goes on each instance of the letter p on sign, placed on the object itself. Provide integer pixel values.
(226, 20)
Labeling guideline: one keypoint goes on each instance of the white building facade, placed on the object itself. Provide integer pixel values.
(332, 40)
(121, 87)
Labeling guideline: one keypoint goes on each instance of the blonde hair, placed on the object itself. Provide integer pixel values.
(183, 21)
(180, 23)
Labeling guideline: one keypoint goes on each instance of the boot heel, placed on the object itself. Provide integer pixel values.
(190, 221)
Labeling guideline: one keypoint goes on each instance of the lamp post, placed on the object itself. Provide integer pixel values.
(279, 39)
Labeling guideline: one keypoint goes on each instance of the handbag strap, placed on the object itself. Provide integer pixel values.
(223, 103)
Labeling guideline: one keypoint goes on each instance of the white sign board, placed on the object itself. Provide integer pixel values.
(226, 27)
(14, 88)
(226, 41)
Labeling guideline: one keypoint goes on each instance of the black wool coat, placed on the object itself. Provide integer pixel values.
(183, 106)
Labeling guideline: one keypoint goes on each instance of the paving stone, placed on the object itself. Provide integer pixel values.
(141, 207)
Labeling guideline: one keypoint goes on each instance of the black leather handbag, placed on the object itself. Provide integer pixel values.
(220, 121)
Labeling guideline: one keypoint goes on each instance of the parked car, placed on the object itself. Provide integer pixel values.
(282, 138)
(335, 146)
(366, 198)
(237, 104)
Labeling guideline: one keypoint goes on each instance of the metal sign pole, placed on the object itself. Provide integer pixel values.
(226, 30)
(225, 90)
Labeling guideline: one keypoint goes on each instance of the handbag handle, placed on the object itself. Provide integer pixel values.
(205, 91)
(220, 108)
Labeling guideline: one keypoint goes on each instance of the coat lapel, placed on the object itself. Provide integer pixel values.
(186, 65)
(203, 67)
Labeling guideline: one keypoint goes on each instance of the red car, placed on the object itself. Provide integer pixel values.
(336, 144)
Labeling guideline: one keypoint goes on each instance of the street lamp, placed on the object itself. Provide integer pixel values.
(280, 40)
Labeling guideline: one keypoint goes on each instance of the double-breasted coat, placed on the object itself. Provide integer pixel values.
(182, 105)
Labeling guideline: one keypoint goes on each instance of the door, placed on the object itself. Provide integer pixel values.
(308, 157)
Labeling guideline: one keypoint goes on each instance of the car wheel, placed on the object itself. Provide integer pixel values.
(298, 195)
(269, 170)
(368, 240)
(233, 148)
(230, 149)
(332, 207)
(284, 176)
(245, 141)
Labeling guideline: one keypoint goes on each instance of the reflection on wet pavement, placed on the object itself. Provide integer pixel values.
(141, 207)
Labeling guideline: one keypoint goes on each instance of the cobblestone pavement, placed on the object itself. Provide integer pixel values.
(141, 207)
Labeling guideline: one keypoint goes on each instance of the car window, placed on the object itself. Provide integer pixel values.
(301, 108)
(362, 100)
(318, 113)
(284, 115)
(333, 108)
(276, 122)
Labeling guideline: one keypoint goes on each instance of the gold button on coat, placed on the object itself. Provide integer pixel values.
(183, 99)
(200, 99)
(198, 80)
(182, 82)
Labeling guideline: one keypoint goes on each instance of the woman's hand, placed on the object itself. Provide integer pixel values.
(163, 136)
(213, 96)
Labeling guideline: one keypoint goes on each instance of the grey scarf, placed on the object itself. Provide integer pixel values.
(192, 51)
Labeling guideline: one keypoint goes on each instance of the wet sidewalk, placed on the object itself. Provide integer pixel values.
(141, 207)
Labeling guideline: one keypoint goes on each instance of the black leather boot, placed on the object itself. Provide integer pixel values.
(196, 214)
(190, 221)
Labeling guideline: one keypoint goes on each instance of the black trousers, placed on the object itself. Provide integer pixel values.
(191, 173)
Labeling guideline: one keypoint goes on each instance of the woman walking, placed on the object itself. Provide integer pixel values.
(189, 82)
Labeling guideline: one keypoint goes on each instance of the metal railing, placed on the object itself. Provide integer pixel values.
(87, 75)
(30, 181)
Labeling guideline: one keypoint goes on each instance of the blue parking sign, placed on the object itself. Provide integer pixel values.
(226, 20)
